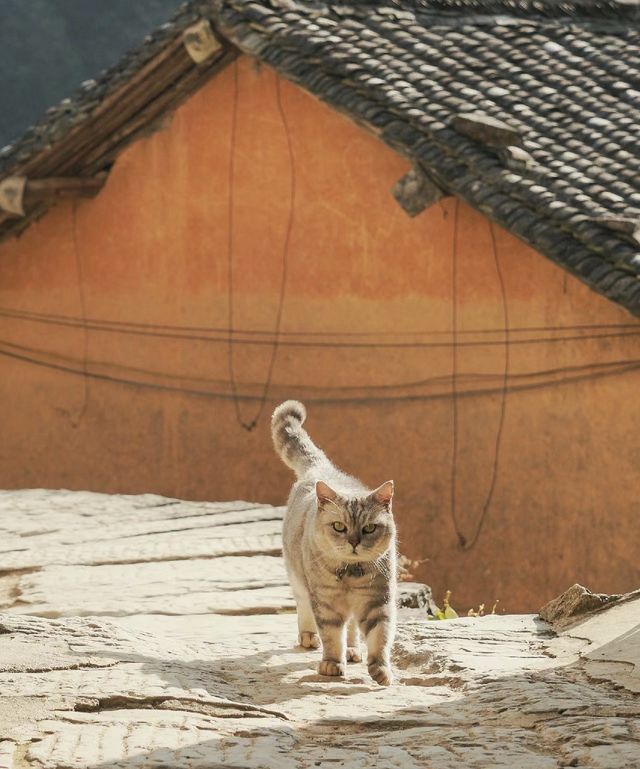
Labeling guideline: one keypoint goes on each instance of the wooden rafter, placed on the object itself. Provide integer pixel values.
(19, 194)
(87, 150)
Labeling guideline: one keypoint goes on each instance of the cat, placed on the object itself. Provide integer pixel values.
(339, 545)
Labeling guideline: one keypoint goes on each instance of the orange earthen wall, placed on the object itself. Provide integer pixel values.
(366, 343)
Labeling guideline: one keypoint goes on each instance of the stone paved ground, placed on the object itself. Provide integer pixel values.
(150, 632)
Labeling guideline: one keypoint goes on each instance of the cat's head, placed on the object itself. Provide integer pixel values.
(355, 529)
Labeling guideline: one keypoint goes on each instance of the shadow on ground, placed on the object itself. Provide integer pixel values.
(545, 718)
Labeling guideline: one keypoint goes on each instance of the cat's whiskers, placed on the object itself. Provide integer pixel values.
(382, 566)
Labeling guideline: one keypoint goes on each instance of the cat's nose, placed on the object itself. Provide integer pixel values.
(354, 542)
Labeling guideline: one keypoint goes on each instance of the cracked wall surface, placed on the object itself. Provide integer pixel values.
(144, 632)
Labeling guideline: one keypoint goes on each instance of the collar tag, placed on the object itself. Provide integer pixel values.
(349, 570)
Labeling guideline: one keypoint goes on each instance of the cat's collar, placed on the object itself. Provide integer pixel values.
(349, 570)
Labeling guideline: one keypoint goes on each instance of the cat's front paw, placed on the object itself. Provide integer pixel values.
(353, 654)
(331, 668)
(381, 673)
(309, 640)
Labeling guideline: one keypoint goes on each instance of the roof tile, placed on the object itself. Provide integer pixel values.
(564, 75)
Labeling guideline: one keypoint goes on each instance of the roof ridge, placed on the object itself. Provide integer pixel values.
(553, 9)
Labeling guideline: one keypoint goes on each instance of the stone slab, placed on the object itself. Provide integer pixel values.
(143, 632)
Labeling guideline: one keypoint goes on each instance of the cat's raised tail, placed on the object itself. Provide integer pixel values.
(292, 442)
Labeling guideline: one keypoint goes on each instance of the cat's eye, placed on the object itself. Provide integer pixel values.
(339, 526)
(369, 528)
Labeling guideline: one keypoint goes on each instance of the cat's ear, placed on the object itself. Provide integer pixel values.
(325, 493)
(383, 494)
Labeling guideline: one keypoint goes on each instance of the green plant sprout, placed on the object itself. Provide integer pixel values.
(448, 612)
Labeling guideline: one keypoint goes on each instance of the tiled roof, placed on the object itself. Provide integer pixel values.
(565, 77)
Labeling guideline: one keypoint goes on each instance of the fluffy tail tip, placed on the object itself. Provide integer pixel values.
(289, 409)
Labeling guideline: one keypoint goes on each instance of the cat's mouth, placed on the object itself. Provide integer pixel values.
(356, 557)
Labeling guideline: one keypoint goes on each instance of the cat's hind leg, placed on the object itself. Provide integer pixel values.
(353, 641)
(308, 636)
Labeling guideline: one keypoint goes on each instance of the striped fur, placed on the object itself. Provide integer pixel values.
(342, 573)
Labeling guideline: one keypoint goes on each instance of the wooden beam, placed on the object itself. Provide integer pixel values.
(12, 196)
(415, 192)
(65, 186)
(18, 195)
(200, 41)
(161, 104)
(63, 153)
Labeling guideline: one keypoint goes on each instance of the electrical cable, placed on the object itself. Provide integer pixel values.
(76, 420)
(467, 545)
(251, 424)
(578, 374)
(463, 542)
(183, 333)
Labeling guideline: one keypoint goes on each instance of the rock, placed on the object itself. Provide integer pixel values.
(415, 595)
(574, 602)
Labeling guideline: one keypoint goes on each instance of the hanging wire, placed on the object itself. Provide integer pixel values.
(572, 375)
(463, 542)
(454, 377)
(205, 333)
(231, 188)
(77, 419)
(503, 400)
(250, 425)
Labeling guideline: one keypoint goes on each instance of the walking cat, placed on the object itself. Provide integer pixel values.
(339, 544)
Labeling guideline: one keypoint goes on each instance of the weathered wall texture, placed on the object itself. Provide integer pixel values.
(366, 343)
